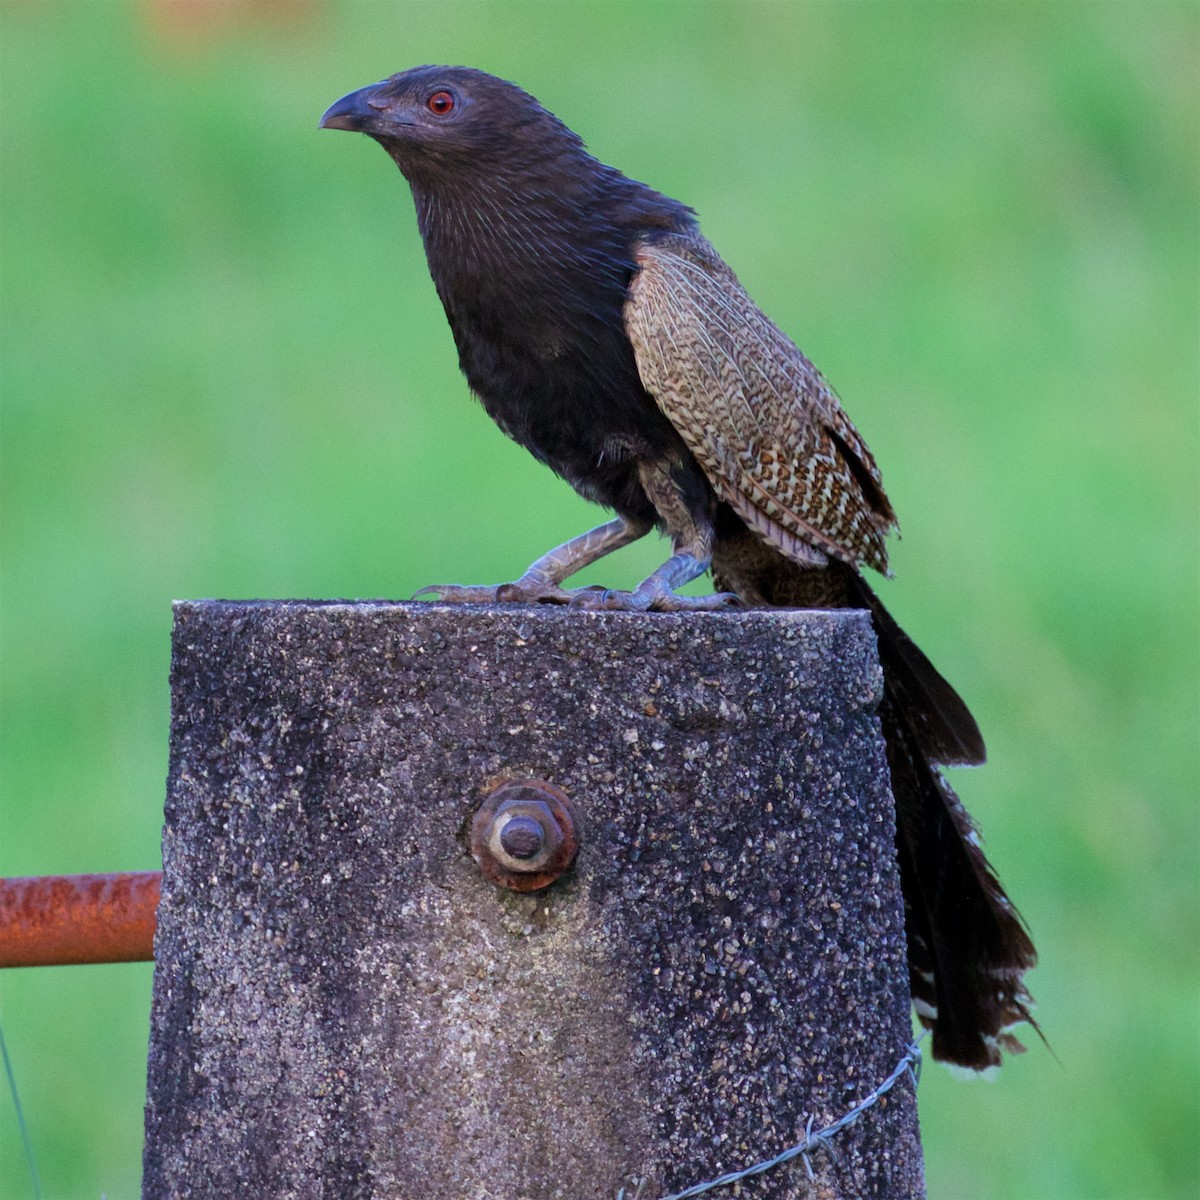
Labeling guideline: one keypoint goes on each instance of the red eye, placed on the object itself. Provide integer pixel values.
(440, 103)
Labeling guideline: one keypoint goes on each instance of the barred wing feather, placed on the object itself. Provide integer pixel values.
(759, 418)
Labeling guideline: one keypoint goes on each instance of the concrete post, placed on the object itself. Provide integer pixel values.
(345, 1006)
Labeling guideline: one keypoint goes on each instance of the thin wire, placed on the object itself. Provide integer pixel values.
(909, 1064)
(16, 1099)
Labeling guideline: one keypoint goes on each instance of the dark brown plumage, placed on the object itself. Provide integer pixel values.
(602, 332)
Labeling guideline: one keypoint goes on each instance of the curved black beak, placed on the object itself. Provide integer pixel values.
(355, 111)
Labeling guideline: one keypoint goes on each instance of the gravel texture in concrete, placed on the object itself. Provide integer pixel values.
(345, 1007)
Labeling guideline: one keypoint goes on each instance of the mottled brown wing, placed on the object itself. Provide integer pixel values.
(765, 427)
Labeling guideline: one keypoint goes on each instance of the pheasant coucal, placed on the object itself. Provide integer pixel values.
(602, 332)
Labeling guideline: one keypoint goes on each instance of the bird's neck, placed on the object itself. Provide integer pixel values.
(518, 223)
(529, 234)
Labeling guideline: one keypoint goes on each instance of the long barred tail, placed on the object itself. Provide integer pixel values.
(968, 949)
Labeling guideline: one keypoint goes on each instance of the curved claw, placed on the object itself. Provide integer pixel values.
(716, 602)
(602, 599)
(462, 593)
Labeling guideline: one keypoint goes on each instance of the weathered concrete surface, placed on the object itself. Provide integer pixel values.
(344, 1007)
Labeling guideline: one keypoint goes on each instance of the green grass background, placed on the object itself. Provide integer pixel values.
(224, 372)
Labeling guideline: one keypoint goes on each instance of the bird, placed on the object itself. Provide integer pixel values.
(602, 332)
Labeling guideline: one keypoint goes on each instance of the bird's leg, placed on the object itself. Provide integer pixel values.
(541, 583)
(691, 540)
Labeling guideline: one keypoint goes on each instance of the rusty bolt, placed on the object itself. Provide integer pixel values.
(523, 835)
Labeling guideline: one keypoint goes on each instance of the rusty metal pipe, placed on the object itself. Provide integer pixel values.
(53, 920)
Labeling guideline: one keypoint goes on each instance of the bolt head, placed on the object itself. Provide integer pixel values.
(523, 835)
(523, 838)
(528, 823)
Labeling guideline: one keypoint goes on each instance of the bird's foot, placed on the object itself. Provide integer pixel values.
(650, 599)
(594, 598)
(519, 592)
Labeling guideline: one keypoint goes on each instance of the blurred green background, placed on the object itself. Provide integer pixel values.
(225, 372)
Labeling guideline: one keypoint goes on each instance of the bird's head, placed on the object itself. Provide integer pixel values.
(439, 120)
